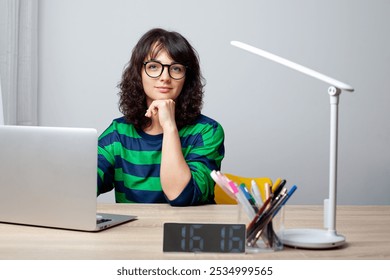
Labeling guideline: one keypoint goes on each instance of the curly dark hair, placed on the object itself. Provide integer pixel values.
(132, 102)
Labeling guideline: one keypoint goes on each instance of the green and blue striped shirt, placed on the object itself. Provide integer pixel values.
(129, 162)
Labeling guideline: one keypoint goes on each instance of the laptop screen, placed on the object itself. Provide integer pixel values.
(48, 176)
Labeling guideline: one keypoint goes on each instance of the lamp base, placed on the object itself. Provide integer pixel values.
(311, 238)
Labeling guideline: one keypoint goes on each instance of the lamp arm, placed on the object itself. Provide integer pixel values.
(295, 66)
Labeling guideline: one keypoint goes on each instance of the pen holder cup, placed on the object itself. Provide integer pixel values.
(263, 236)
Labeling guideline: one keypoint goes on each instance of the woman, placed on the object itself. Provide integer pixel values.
(163, 149)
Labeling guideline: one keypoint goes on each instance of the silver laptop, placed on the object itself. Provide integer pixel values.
(48, 177)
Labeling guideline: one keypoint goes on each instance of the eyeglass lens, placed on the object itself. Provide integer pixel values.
(154, 69)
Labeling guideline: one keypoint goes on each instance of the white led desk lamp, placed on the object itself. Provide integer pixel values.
(315, 238)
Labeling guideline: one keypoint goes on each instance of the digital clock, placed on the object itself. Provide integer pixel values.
(216, 238)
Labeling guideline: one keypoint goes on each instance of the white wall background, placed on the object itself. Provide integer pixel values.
(276, 121)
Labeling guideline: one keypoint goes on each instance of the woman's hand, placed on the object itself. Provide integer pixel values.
(164, 112)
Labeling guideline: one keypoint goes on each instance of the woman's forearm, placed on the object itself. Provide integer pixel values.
(174, 172)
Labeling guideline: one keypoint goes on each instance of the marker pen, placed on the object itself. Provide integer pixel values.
(221, 183)
(224, 180)
(249, 197)
(256, 193)
(276, 184)
(240, 197)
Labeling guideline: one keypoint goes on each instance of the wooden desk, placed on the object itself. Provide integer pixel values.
(367, 229)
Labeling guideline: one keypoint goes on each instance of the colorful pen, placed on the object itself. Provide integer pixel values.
(277, 190)
(259, 214)
(276, 184)
(221, 183)
(256, 193)
(249, 197)
(287, 197)
(239, 194)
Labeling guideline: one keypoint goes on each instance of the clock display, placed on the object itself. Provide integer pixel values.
(217, 238)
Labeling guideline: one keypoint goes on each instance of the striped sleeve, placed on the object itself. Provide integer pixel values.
(203, 149)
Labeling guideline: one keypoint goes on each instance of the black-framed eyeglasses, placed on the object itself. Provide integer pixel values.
(154, 69)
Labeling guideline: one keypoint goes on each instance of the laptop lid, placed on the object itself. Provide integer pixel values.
(48, 177)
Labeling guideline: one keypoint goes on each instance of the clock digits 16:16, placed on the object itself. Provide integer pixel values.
(218, 238)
